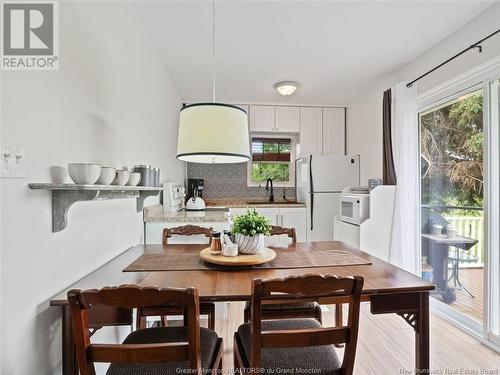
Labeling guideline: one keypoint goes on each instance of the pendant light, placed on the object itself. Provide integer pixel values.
(213, 132)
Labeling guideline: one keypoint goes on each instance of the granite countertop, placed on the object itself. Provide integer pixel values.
(252, 202)
(217, 210)
(157, 214)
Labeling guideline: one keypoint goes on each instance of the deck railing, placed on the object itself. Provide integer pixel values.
(473, 227)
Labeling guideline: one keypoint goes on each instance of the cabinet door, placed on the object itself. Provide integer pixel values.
(311, 122)
(333, 131)
(287, 119)
(347, 233)
(271, 213)
(237, 211)
(295, 218)
(262, 118)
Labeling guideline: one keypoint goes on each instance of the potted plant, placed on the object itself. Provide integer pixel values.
(249, 230)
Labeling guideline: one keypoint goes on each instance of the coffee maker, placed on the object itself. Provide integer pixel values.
(195, 187)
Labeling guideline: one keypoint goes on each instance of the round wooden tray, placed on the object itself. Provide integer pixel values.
(239, 260)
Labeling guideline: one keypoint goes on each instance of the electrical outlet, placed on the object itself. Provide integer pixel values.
(12, 161)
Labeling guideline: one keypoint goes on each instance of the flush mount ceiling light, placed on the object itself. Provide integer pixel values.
(286, 88)
(213, 132)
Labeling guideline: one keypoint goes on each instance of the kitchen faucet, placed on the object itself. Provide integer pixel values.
(271, 195)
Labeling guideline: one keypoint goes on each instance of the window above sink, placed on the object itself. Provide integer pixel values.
(272, 157)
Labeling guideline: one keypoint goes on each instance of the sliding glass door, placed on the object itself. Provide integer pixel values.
(460, 205)
(452, 202)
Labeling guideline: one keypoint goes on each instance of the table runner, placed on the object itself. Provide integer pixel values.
(190, 261)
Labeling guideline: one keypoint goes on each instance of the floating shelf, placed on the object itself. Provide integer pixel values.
(65, 195)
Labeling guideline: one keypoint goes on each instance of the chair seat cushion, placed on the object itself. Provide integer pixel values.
(310, 360)
(208, 345)
(285, 306)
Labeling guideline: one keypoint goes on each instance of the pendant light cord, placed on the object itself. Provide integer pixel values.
(213, 51)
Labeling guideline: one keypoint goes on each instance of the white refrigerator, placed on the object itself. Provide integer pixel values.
(319, 183)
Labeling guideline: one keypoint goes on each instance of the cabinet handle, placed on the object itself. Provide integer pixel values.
(281, 220)
(277, 220)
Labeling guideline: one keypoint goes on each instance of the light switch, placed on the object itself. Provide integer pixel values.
(12, 161)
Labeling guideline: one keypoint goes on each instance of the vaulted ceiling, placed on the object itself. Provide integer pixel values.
(332, 48)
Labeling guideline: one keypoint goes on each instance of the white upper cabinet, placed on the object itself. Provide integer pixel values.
(322, 130)
(333, 131)
(287, 119)
(262, 118)
(311, 125)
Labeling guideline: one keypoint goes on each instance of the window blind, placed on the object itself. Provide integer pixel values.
(271, 149)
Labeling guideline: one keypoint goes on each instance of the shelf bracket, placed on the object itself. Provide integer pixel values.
(62, 201)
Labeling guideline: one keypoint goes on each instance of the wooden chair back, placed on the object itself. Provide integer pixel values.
(186, 230)
(132, 296)
(290, 232)
(296, 289)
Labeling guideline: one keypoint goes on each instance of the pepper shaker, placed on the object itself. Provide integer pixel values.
(216, 244)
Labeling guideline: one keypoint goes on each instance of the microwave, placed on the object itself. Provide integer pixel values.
(354, 208)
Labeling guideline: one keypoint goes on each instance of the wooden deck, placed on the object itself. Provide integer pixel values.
(472, 279)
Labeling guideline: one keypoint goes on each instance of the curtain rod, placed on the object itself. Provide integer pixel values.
(472, 46)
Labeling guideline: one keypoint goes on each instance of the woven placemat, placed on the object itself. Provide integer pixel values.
(285, 258)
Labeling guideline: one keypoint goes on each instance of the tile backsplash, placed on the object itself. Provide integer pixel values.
(230, 181)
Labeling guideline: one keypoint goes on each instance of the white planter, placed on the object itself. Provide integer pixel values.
(249, 244)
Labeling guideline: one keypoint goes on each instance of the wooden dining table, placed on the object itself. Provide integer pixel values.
(388, 289)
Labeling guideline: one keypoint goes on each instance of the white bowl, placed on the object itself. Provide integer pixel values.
(84, 173)
(122, 177)
(107, 176)
(134, 179)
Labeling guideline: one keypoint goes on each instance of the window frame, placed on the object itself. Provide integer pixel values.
(293, 153)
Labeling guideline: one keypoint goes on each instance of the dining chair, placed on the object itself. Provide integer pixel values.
(160, 350)
(299, 345)
(206, 308)
(186, 230)
(292, 310)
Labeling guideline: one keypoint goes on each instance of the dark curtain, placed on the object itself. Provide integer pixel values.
(389, 173)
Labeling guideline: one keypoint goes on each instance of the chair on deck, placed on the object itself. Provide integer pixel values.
(292, 310)
(160, 350)
(299, 345)
(206, 308)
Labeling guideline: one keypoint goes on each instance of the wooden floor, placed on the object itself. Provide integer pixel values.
(472, 279)
(386, 344)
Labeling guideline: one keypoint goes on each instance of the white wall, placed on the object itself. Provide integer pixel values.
(364, 115)
(112, 102)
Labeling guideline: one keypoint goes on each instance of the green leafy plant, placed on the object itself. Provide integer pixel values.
(251, 224)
